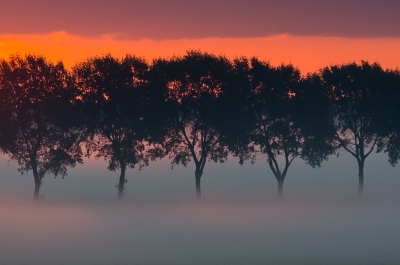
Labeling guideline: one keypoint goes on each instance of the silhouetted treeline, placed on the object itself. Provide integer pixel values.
(198, 107)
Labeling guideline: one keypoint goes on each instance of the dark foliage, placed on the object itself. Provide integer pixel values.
(38, 123)
(198, 107)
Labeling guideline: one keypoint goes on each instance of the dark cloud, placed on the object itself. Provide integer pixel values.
(174, 19)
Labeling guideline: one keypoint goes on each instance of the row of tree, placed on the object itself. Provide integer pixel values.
(198, 107)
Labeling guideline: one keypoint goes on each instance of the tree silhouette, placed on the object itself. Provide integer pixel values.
(38, 122)
(111, 91)
(275, 131)
(193, 84)
(355, 94)
(198, 107)
(389, 115)
(236, 117)
(314, 118)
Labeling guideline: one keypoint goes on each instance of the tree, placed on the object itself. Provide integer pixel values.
(275, 131)
(236, 118)
(193, 84)
(116, 115)
(38, 123)
(389, 115)
(355, 92)
(313, 116)
(285, 116)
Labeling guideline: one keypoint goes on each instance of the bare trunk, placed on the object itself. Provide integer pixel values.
(37, 189)
(280, 187)
(121, 184)
(37, 183)
(197, 175)
(360, 178)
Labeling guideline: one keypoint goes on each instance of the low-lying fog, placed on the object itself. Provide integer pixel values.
(239, 220)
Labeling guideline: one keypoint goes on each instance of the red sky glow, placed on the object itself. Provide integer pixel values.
(307, 53)
(309, 34)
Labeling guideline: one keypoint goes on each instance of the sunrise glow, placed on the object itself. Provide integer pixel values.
(307, 53)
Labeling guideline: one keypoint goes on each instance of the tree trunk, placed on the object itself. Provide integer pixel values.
(121, 184)
(280, 187)
(37, 188)
(197, 175)
(360, 178)
(37, 182)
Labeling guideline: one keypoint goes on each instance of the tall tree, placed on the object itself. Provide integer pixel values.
(193, 83)
(356, 101)
(38, 122)
(315, 120)
(111, 91)
(289, 118)
(389, 115)
(236, 115)
(274, 130)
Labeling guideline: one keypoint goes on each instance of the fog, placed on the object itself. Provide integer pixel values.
(239, 219)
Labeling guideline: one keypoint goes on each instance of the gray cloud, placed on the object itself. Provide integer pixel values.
(177, 19)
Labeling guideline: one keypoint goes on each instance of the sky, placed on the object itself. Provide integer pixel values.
(239, 220)
(309, 34)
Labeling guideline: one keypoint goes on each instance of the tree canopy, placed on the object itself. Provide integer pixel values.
(198, 107)
(39, 129)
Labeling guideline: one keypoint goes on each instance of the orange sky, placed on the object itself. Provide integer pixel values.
(307, 53)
